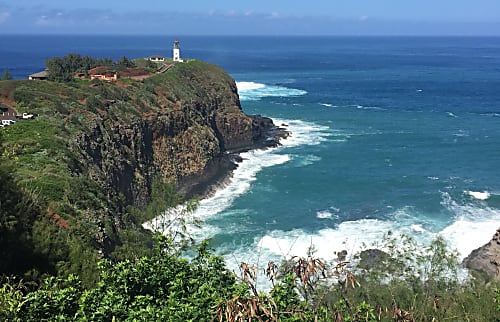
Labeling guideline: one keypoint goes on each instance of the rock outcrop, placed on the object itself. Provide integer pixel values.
(188, 143)
(486, 259)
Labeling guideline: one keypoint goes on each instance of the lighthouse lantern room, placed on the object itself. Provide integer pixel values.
(177, 52)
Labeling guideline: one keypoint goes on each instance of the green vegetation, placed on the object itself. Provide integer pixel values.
(6, 75)
(167, 286)
(124, 63)
(63, 69)
(148, 64)
(43, 170)
(73, 248)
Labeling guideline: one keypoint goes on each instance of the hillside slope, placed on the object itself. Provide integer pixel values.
(96, 148)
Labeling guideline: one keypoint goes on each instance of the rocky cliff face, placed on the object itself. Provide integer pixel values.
(486, 259)
(187, 142)
(97, 147)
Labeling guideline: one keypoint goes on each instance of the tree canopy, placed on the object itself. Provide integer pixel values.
(6, 75)
(62, 69)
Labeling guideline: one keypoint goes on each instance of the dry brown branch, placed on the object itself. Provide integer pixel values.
(401, 315)
(308, 270)
(246, 309)
(271, 271)
(249, 275)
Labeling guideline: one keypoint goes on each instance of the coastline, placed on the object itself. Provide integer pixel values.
(217, 177)
(486, 259)
(220, 170)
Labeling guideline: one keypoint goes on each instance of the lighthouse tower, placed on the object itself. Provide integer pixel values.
(177, 52)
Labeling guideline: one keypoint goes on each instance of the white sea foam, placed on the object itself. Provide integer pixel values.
(248, 86)
(472, 228)
(302, 133)
(473, 225)
(302, 161)
(239, 183)
(362, 107)
(330, 213)
(352, 236)
(491, 114)
(417, 228)
(327, 105)
(250, 91)
(324, 214)
(479, 195)
(349, 235)
(277, 245)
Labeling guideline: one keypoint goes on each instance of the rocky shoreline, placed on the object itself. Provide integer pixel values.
(486, 259)
(220, 170)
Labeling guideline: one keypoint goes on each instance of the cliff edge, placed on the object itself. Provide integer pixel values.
(96, 147)
(486, 259)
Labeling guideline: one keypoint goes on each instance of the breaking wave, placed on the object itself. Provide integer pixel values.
(479, 195)
(250, 91)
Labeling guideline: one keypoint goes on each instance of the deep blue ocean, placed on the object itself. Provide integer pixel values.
(399, 133)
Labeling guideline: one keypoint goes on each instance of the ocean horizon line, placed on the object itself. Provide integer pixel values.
(256, 35)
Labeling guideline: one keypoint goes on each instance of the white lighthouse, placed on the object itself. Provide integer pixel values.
(177, 52)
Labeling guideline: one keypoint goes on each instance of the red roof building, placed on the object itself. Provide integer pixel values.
(103, 73)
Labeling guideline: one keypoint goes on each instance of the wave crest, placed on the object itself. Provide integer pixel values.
(251, 91)
(479, 195)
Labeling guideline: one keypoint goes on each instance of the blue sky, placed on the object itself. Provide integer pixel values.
(256, 17)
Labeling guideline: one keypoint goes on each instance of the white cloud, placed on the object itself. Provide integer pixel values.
(4, 16)
(363, 18)
(42, 21)
(78, 17)
(275, 15)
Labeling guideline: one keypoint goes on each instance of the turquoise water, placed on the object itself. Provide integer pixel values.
(396, 134)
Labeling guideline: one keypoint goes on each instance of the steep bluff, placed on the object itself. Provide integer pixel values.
(97, 147)
(186, 142)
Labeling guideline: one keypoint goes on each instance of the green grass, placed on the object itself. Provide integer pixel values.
(37, 150)
(48, 161)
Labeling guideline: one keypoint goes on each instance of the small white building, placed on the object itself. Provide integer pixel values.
(156, 58)
(43, 75)
(177, 52)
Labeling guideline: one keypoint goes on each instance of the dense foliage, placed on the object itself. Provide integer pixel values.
(167, 286)
(17, 215)
(48, 222)
(404, 282)
(56, 219)
(63, 69)
(162, 287)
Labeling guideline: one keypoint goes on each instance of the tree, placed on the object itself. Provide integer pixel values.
(160, 287)
(124, 63)
(6, 75)
(62, 69)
